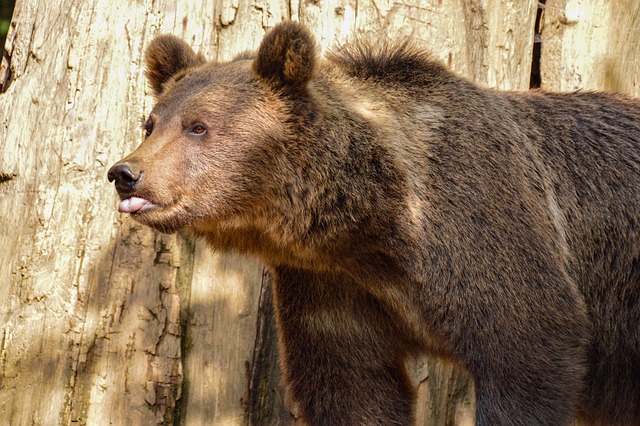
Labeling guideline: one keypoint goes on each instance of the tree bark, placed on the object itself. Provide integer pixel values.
(591, 46)
(102, 321)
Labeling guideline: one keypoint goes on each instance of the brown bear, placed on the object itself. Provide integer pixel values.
(404, 210)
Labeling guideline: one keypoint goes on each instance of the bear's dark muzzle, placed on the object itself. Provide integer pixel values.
(125, 176)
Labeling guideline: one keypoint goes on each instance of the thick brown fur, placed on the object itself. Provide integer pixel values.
(404, 210)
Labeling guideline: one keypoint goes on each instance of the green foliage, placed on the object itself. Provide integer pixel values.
(4, 27)
(6, 10)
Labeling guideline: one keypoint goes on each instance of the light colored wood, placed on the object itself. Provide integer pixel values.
(220, 336)
(592, 45)
(92, 305)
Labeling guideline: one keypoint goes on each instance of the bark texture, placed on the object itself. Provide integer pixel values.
(591, 46)
(104, 322)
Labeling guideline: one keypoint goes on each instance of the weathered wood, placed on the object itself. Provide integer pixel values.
(93, 306)
(220, 337)
(591, 46)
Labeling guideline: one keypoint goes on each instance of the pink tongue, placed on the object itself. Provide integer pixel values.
(132, 205)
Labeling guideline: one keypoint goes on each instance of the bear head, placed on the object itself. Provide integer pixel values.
(214, 140)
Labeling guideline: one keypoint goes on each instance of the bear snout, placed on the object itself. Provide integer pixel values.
(126, 177)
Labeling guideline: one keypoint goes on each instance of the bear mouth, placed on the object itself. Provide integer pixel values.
(166, 218)
(135, 205)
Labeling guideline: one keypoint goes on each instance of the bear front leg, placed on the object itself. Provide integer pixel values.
(527, 359)
(343, 361)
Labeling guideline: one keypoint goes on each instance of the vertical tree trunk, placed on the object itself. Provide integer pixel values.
(97, 311)
(103, 321)
(591, 46)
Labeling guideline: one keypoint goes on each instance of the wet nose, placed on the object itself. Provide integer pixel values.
(125, 176)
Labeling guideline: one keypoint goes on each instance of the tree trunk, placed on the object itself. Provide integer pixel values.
(591, 46)
(105, 322)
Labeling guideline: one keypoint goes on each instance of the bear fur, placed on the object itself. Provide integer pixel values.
(404, 210)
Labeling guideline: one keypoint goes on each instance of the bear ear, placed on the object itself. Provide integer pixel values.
(166, 56)
(287, 56)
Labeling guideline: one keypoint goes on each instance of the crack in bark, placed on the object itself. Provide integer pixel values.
(535, 81)
(3, 351)
(6, 177)
(28, 50)
(6, 72)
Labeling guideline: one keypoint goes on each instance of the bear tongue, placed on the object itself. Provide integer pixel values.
(132, 205)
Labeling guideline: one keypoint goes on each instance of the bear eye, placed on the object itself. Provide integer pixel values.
(148, 128)
(198, 129)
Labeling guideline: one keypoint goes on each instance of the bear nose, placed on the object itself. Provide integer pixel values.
(125, 177)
